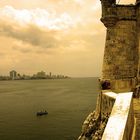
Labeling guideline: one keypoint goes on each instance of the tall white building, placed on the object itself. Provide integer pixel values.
(13, 74)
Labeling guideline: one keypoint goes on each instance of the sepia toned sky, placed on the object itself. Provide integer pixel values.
(58, 36)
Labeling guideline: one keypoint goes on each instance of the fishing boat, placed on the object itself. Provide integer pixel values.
(40, 113)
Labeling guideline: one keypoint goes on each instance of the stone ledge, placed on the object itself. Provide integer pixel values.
(110, 94)
(123, 5)
(119, 120)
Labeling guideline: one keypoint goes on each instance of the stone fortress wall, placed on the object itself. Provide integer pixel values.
(114, 117)
(121, 55)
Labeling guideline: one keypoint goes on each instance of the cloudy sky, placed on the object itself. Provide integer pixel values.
(61, 36)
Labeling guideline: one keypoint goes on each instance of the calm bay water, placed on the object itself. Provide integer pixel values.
(68, 102)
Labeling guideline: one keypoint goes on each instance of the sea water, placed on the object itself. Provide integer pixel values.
(68, 102)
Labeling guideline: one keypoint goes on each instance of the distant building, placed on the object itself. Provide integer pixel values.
(13, 74)
(25, 77)
(41, 74)
(50, 74)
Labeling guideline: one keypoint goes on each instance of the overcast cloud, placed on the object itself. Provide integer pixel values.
(62, 36)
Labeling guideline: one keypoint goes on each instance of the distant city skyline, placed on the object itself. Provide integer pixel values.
(62, 36)
(41, 72)
(14, 75)
(6, 73)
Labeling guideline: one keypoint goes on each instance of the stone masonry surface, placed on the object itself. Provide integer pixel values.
(121, 68)
(136, 105)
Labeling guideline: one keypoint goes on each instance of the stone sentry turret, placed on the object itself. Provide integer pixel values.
(121, 55)
(109, 16)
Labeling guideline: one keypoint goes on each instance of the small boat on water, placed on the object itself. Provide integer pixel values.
(40, 113)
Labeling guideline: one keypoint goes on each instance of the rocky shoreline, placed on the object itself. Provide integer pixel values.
(93, 127)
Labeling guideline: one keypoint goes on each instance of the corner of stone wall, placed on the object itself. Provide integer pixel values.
(95, 123)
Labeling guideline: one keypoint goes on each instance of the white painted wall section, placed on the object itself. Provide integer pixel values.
(111, 94)
(120, 119)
